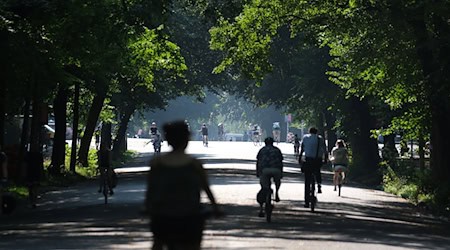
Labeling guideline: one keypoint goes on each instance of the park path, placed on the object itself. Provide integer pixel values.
(75, 218)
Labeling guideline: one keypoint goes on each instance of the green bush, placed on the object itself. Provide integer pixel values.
(417, 186)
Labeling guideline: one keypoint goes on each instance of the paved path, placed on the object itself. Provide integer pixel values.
(75, 218)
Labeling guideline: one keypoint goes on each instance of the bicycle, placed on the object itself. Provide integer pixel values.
(312, 192)
(256, 140)
(104, 184)
(269, 204)
(339, 178)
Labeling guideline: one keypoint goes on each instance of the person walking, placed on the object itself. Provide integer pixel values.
(3, 175)
(174, 184)
(269, 165)
(313, 145)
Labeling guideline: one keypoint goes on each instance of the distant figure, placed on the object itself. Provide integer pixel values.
(153, 129)
(220, 132)
(276, 132)
(3, 175)
(204, 131)
(35, 166)
(174, 183)
(97, 137)
(104, 167)
(296, 145)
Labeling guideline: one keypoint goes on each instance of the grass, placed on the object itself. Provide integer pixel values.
(67, 178)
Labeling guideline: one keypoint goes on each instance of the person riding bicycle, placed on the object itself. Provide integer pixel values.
(104, 166)
(204, 131)
(220, 131)
(339, 159)
(157, 140)
(153, 129)
(269, 165)
(256, 132)
(313, 145)
(276, 131)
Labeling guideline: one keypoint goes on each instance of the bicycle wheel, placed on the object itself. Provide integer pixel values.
(105, 185)
(269, 206)
(312, 198)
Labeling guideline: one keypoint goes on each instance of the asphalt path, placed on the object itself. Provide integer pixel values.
(75, 217)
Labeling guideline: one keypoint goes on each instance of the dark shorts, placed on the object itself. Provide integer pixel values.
(179, 229)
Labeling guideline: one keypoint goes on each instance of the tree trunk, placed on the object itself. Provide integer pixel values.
(119, 145)
(330, 132)
(59, 141)
(36, 127)
(3, 96)
(440, 143)
(437, 97)
(359, 123)
(421, 151)
(94, 112)
(106, 139)
(24, 137)
(76, 111)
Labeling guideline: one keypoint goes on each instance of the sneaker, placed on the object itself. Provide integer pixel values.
(261, 214)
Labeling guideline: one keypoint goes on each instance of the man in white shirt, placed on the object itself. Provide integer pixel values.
(313, 145)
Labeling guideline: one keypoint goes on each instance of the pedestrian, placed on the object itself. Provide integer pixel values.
(35, 166)
(175, 182)
(313, 145)
(269, 165)
(3, 174)
(97, 137)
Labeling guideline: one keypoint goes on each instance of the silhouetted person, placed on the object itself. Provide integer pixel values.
(175, 181)
(313, 145)
(34, 162)
(105, 168)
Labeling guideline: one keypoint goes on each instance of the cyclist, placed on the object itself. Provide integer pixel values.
(296, 145)
(104, 166)
(173, 199)
(313, 145)
(339, 159)
(256, 132)
(276, 131)
(220, 131)
(269, 165)
(153, 129)
(157, 140)
(204, 131)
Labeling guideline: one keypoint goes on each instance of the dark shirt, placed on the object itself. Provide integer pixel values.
(269, 157)
(174, 191)
(204, 130)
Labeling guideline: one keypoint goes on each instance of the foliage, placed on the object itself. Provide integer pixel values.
(407, 181)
